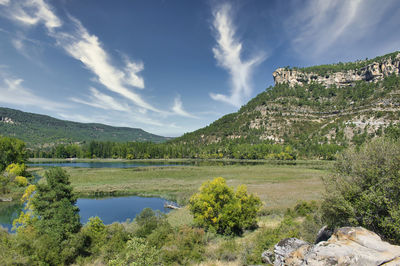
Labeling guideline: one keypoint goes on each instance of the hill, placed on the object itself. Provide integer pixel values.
(341, 104)
(42, 130)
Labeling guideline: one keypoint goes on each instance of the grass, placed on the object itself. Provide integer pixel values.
(278, 186)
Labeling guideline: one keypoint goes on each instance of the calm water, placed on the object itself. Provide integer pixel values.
(141, 164)
(107, 164)
(117, 209)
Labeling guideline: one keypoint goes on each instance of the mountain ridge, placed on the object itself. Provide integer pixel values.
(308, 112)
(39, 130)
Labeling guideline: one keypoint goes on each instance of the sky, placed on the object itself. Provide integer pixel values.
(173, 66)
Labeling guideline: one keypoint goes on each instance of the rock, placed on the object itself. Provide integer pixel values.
(285, 247)
(347, 246)
(372, 72)
(323, 234)
(268, 257)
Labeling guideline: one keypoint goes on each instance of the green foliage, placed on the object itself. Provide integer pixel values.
(16, 169)
(37, 130)
(54, 204)
(185, 247)
(96, 232)
(302, 208)
(11, 151)
(21, 181)
(323, 70)
(137, 252)
(365, 189)
(266, 238)
(147, 221)
(218, 208)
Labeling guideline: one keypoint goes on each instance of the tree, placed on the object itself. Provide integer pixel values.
(218, 208)
(11, 151)
(365, 189)
(54, 204)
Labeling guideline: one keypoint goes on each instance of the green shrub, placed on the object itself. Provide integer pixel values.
(16, 169)
(21, 181)
(96, 232)
(228, 250)
(218, 208)
(365, 189)
(147, 221)
(266, 238)
(185, 247)
(137, 252)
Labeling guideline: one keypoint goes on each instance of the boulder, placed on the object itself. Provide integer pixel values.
(347, 246)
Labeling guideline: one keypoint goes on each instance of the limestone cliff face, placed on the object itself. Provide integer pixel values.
(373, 72)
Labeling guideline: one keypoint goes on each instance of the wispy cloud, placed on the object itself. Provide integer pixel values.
(319, 28)
(86, 48)
(32, 12)
(103, 101)
(12, 92)
(4, 2)
(178, 108)
(228, 53)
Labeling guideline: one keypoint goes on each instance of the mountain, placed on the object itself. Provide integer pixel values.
(344, 103)
(39, 130)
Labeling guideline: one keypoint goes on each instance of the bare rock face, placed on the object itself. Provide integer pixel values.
(347, 246)
(373, 72)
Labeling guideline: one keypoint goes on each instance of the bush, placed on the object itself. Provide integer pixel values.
(16, 169)
(147, 221)
(21, 181)
(218, 208)
(96, 232)
(365, 189)
(184, 247)
(137, 252)
(266, 238)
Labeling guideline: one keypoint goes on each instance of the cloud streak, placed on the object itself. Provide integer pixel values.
(12, 92)
(228, 53)
(321, 28)
(87, 48)
(102, 101)
(179, 110)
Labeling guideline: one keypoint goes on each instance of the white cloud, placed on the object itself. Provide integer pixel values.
(87, 48)
(12, 92)
(103, 101)
(325, 27)
(32, 12)
(4, 2)
(228, 52)
(178, 108)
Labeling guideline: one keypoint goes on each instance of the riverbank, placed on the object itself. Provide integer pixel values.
(278, 186)
(318, 164)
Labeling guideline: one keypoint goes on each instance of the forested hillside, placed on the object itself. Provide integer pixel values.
(42, 130)
(306, 113)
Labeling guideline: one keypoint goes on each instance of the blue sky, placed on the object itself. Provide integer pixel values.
(173, 66)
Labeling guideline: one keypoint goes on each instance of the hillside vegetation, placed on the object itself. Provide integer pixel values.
(311, 114)
(39, 130)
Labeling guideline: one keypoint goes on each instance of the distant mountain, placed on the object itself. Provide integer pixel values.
(344, 103)
(43, 130)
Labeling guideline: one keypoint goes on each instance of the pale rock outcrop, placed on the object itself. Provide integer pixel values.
(347, 246)
(373, 72)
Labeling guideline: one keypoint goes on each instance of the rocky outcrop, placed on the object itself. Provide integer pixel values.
(347, 246)
(373, 72)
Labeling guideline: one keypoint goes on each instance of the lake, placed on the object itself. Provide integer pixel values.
(141, 164)
(115, 209)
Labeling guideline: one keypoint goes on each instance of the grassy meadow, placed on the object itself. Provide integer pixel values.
(278, 186)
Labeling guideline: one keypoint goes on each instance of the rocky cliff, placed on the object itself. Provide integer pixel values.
(369, 70)
(362, 105)
(347, 246)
